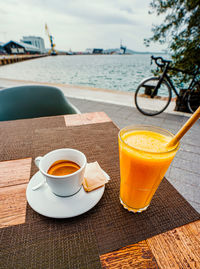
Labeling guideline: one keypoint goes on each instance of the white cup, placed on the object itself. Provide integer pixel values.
(66, 185)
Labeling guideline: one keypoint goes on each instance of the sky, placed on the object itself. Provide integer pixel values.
(80, 24)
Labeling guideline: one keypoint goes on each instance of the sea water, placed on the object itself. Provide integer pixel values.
(117, 72)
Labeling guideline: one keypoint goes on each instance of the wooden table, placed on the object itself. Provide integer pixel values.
(178, 248)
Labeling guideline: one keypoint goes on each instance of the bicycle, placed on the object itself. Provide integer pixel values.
(163, 91)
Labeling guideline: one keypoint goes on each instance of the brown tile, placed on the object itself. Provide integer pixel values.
(178, 248)
(134, 256)
(12, 205)
(15, 172)
(86, 118)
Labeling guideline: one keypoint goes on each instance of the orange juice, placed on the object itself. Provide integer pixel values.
(144, 160)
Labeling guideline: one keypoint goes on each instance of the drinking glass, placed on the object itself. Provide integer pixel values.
(141, 171)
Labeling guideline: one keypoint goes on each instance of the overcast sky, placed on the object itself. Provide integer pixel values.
(80, 24)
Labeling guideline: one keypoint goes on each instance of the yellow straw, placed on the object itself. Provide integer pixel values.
(195, 116)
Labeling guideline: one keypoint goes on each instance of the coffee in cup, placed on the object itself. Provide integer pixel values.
(63, 167)
(56, 161)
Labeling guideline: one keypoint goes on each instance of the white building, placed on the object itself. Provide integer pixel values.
(35, 41)
(89, 51)
(14, 47)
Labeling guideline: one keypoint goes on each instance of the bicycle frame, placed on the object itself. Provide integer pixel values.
(167, 78)
(172, 85)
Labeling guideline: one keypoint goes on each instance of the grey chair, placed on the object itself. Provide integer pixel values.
(31, 101)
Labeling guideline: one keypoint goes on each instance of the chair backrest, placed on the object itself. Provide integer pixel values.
(31, 101)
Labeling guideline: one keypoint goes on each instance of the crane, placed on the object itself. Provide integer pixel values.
(123, 48)
(52, 50)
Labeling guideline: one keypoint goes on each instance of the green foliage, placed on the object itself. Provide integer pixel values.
(181, 29)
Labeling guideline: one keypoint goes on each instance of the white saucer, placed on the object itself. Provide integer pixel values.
(44, 202)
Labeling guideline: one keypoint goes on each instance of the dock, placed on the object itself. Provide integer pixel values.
(9, 59)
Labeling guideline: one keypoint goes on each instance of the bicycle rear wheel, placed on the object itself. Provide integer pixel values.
(193, 99)
(152, 104)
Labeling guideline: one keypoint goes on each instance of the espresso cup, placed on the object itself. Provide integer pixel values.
(66, 185)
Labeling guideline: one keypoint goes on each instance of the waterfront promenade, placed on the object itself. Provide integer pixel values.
(92, 94)
(184, 173)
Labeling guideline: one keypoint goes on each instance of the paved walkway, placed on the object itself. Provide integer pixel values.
(184, 173)
(93, 94)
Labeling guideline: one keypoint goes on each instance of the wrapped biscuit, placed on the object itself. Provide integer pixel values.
(94, 177)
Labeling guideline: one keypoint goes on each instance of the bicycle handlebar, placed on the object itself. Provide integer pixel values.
(162, 62)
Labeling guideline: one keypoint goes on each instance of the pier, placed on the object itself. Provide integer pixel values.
(9, 59)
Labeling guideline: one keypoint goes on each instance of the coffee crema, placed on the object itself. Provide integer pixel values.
(63, 168)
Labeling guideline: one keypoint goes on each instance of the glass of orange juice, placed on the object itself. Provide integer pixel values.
(144, 160)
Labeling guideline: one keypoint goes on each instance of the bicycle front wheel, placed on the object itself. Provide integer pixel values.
(193, 100)
(150, 102)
